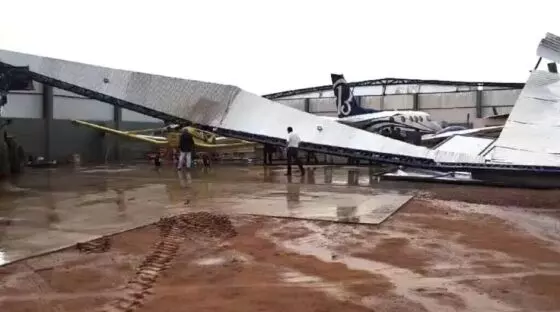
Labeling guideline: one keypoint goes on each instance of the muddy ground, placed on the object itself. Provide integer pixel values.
(433, 255)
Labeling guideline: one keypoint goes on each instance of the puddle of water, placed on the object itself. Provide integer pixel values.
(406, 282)
(107, 170)
(297, 277)
(542, 226)
(211, 261)
(327, 206)
(330, 289)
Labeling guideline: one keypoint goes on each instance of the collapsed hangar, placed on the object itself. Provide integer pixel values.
(223, 109)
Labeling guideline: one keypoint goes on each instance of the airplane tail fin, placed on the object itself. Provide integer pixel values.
(346, 103)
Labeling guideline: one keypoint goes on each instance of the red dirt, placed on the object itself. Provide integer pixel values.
(530, 293)
(444, 297)
(398, 252)
(418, 237)
(479, 231)
(237, 287)
(497, 196)
(265, 251)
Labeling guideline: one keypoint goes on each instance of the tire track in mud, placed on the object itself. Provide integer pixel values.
(173, 232)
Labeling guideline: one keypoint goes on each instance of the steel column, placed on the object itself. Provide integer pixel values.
(415, 104)
(117, 118)
(382, 100)
(478, 104)
(47, 103)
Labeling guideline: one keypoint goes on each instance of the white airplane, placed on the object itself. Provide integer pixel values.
(350, 113)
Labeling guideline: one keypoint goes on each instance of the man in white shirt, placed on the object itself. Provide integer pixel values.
(292, 151)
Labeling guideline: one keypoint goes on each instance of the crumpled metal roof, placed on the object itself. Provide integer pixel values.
(549, 48)
(532, 132)
(219, 106)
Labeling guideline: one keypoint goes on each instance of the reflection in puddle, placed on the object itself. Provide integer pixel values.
(327, 206)
(406, 282)
(347, 214)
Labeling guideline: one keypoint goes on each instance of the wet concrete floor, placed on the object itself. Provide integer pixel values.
(450, 248)
(66, 206)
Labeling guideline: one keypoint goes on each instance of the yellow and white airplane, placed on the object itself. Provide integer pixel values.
(204, 141)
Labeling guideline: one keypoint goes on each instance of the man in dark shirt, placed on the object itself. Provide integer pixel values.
(186, 148)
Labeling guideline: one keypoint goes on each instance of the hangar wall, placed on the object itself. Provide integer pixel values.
(46, 130)
(453, 107)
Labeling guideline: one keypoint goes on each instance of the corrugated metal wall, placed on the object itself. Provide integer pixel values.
(28, 126)
(451, 107)
(66, 105)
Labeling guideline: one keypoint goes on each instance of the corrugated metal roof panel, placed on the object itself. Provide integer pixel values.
(465, 144)
(549, 48)
(532, 130)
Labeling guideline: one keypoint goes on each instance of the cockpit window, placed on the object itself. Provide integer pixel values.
(411, 118)
(420, 118)
(415, 118)
(403, 119)
(428, 118)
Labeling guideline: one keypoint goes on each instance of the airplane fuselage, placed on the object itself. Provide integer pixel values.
(404, 120)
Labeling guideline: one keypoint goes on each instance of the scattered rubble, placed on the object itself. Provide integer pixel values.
(102, 244)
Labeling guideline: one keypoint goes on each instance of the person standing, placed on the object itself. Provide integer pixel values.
(268, 150)
(186, 148)
(292, 151)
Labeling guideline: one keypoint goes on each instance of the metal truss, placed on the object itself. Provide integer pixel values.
(398, 81)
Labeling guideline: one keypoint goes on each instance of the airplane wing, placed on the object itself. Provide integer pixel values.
(358, 120)
(160, 140)
(477, 131)
(145, 138)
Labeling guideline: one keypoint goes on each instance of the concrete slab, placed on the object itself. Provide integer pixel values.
(39, 242)
(352, 208)
(65, 206)
(47, 222)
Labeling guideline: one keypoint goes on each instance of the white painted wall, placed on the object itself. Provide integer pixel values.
(322, 105)
(297, 103)
(24, 105)
(446, 100)
(128, 115)
(500, 97)
(77, 108)
(371, 102)
(395, 102)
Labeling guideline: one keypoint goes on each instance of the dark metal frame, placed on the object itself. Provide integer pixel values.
(398, 81)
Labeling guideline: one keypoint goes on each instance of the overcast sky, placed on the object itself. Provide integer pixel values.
(270, 46)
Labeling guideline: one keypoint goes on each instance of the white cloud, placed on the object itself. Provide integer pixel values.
(266, 46)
